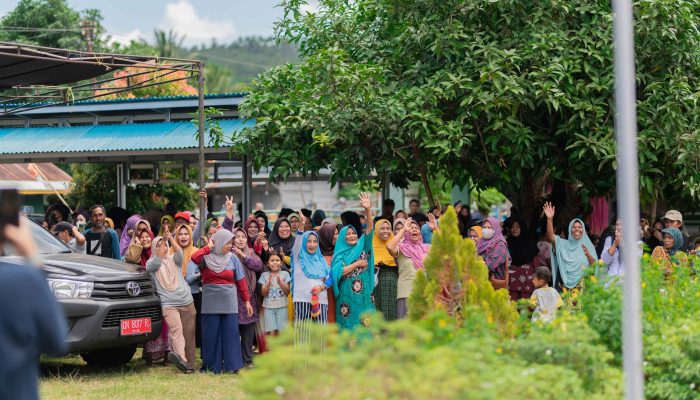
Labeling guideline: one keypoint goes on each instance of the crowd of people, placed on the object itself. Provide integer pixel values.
(227, 289)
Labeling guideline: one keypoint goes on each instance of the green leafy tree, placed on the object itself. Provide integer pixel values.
(455, 281)
(511, 94)
(97, 184)
(51, 23)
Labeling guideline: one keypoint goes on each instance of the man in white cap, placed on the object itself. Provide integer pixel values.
(674, 219)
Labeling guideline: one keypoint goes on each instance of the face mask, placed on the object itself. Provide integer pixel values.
(487, 233)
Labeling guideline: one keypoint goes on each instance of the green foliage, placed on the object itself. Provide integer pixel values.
(413, 361)
(670, 310)
(97, 183)
(504, 92)
(455, 281)
(51, 23)
(570, 342)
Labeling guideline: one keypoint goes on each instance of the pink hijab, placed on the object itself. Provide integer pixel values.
(416, 251)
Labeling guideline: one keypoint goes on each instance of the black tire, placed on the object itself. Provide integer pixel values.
(111, 357)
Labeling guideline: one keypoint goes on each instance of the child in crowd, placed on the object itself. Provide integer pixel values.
(275, 288)
(545, 299)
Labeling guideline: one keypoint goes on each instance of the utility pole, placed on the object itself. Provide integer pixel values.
(88, 30)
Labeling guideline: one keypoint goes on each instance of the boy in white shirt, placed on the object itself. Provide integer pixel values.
(545, 299)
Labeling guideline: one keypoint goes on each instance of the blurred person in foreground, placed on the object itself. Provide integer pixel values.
(31, 321)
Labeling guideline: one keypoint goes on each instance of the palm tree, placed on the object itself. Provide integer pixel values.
(168, 44)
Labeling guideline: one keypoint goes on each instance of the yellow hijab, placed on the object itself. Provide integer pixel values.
(187, 250)
(381, 254)
(477, 229)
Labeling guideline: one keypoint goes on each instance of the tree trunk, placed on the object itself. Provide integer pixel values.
(426, 185)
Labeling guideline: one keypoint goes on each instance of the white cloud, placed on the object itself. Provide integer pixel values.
(182, 18)
(126, 38)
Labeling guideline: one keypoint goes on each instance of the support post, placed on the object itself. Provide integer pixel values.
(246, 187)
(121, 185)
(628, 195)
(202, 168)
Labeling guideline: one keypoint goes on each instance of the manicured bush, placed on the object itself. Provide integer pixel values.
(455, 280)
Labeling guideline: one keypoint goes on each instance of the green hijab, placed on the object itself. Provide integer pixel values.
(172, 224)
(344, 254)
(568, 258)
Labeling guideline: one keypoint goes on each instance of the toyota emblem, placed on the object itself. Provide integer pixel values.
(133, 288)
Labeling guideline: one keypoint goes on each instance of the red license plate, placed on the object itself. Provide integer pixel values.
(135, 326)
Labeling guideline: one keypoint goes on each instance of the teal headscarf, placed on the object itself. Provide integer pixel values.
(314, 266)
(677, 239)
(345, 254)
(568, 257)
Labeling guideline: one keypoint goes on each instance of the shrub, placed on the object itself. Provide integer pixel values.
(404, 360)
(455, 280)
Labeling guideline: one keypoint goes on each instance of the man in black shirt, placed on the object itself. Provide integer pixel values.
(101, 241)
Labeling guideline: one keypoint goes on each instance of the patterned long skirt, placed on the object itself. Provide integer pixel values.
(386, 291)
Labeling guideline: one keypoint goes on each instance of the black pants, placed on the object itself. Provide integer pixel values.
(247, 332)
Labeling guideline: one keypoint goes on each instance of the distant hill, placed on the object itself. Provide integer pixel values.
(241, 61)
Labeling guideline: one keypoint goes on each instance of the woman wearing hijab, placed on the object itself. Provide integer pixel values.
(398, 225)
(475, 234)
(191, 273)
(128, 233)
(252, 265)
(493, 249)
(309, 272)
(176, 299)
(327, 237)
(353, 278)
(166, 221)
(223, 277)
(410, 251)
(294, 219)
(282, 240)
(523, 251)
(669, 256)
(139, 249)
(261, 217)
(388, 273)
(569, 256)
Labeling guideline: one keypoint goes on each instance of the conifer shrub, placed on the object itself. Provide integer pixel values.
(455, 280)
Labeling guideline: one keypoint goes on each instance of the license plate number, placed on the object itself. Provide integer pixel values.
(135, 326)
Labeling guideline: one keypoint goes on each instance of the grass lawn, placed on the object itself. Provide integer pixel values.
(71, 378)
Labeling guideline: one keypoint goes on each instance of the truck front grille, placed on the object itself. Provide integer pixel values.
(115, 290)
(113, 317)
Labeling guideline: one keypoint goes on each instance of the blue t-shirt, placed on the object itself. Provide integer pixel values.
(31, 323)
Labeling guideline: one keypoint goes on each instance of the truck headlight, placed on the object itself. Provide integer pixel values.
(68, 289)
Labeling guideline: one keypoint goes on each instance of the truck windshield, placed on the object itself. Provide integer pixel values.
(46, 242)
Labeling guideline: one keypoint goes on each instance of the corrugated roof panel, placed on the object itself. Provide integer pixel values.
(117, 137)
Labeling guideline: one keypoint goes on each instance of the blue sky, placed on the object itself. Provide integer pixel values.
(198, 20)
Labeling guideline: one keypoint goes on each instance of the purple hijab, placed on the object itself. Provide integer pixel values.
(126, 239)
(494, 251)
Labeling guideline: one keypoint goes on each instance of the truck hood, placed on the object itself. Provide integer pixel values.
(89, 268)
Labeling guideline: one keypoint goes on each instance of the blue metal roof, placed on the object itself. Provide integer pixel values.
(104, 138)
(137, 99)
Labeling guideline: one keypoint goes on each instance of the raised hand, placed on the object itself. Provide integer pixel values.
(302, 221)
(203, 194)
(432, 223)
(365, 201)
(210, 244)
(548, 210)
(228, 203)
